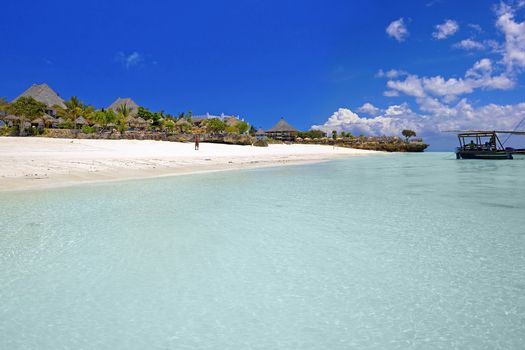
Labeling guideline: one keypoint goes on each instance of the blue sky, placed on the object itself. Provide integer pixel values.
(312, 62)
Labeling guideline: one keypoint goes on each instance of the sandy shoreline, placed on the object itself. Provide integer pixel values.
(34, 163)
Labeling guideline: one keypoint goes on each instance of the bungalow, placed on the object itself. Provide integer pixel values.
(43, 93)
(282, 131)
(260, 134)
(128, 102)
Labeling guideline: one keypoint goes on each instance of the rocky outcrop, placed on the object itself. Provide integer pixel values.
(233, 139)
(260, 143)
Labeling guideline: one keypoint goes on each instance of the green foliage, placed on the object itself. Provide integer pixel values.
(215, 126)
(86, 129)
(27, 107)
(252, 130)
(146, 114)
(313, 134)
(124, 111)
(3, 104)
(5, 130)
(105, 117)
(66, 124)
(334, 134)
(242, 127)
(407, 133)
(188, 116)
(232, 129)
(169, 124)
(75, 109)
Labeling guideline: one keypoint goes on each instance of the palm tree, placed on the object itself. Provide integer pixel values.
(124, 111)
(75, 109)
(3, 104)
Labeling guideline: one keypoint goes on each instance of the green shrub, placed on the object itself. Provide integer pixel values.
(66, 124)
(86, 129)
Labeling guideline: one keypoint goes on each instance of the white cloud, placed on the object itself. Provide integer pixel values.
(398, 30)
(391, 74)
(441, 118)
(391, 93)
(346, 120)
(476, 27)
(480, 76)
(446, 29)
(130, 60)
(369, 109)
(514, 47)
(411, 86)
(469, 44)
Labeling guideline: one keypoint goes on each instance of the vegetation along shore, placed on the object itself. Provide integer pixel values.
(40, 111)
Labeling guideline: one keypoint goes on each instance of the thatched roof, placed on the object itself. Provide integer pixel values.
(141, 120)
(260, 132)
(49, 118)
(81, 121)
(43, 93)
(11, 118)
(125, 101)
(282, 126)
(231, 121)
(182, 121)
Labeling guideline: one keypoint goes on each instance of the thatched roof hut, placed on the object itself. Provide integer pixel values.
(141, 122)
(49, 120)
(39, 122)
(43, 93)
(182, 125)
(128, 102)
(260, 132)
(282, 131)
(282, 126)
(81, 121)
(12, 118)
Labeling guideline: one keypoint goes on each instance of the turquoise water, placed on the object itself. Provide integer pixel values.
(384, 252)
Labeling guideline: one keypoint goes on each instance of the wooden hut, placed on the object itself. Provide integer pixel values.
(80, 122)
(43, 93)
(49, 121)
(128, 102)
(282, 131)
(182, 126)
(260, 134)
(12, 120)
(141, 123)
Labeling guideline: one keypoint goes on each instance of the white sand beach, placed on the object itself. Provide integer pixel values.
(29, 163)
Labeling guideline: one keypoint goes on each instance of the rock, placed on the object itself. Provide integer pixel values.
(260, 143)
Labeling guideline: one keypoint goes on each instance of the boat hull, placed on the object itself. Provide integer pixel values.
(483, 155)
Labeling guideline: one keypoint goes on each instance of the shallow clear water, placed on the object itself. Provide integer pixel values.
(383, 252)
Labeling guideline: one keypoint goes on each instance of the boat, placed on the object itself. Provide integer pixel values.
(483, 144)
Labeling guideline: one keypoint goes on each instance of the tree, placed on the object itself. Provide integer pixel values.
(27, 107)
(215, 126)
(334, 134)
(252, 130)
(124, 111)
(74, 109)
(313, 134)
(242, 127)
(144, 113)
(105, 117)
(407, 133)
(3, 104)
(169, 124)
